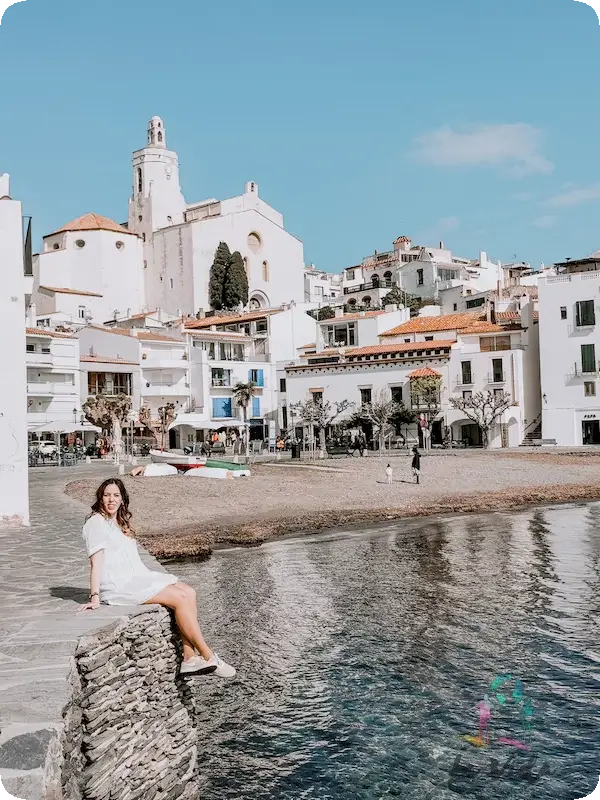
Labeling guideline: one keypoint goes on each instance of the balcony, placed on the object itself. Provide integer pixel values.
(464, 382)
(160, 389)
(156, 361)
(496, 378)
(38, 359)
(582, 371)
(368, 287)
(40, 389)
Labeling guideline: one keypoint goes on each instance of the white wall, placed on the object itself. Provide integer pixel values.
(14, 491)
(53, 380)
(565, 407)
(169, 273)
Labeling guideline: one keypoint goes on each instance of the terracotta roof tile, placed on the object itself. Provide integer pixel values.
(230, 319)
(92, 222)
(448, 322)
(424, 372)
(107, 360)
(69, 291)
(118, 331)
(149, 336)
(350, 317)
(44, 332)
(404, 347)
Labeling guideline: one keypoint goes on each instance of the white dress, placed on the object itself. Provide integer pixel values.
(125, 579)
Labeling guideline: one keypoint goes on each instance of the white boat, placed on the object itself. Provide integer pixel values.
(179, 460)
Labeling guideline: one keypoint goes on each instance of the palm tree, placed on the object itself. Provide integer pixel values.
(243, 394)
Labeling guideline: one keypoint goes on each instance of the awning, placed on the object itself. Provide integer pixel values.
(199, 423)
(63, 427)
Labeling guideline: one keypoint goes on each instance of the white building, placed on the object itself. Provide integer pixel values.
(90, 270)
(570, 352)
(180, 240)
(468, 352)
(14, 491)
(53, 384)
(322, 288)
(237, 348)
(420, 271)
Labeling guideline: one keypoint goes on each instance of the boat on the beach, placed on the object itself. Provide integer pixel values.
(179, 460)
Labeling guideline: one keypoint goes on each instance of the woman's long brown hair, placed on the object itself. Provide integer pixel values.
(123, 514)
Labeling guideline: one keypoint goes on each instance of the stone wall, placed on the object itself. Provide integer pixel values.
(130, 725)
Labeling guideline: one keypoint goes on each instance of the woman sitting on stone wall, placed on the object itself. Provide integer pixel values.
(119, 577)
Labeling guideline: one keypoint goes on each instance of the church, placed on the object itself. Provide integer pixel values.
(96, 270)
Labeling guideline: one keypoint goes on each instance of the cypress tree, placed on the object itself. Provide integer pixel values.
(218, 275)
(235, 291)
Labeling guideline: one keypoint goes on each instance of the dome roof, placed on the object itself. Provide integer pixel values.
(92, 222)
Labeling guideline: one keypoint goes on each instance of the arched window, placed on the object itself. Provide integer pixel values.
(139, 179)
(265, 271)
(160, 136)
(387, 278)
(366, 302)
(352, 302)
(375, 281)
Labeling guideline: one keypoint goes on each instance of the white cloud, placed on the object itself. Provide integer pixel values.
(515, 146)
(575, 197)
(447, 224)
(547, 221)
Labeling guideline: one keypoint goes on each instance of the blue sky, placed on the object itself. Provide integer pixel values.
(473, 122)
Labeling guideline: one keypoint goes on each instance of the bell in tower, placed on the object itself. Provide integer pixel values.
(156, 133)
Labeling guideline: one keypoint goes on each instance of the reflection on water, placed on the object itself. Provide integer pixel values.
(362, 658)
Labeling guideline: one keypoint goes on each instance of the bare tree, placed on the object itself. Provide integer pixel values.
(484, 409)
(379, 411)
(426, 392)
(160, 425)
(110, 412)
(321, 415)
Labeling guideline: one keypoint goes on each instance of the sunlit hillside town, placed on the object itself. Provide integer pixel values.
(204, 316)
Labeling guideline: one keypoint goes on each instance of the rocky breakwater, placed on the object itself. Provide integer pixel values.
(130, 724)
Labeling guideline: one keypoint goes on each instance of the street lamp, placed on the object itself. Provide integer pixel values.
(75, 415)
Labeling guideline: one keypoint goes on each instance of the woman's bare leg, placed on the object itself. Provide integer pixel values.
(182, 599)
(189, 651)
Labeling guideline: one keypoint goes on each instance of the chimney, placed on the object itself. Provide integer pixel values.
(339, 312)
(31, 315)
(441, 245)
(390, 308)
(201, 314)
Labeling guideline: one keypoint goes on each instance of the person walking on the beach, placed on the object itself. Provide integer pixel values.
(389, 474)
(416, 463)
(118, 577)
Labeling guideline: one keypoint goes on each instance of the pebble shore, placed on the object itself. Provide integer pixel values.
(184, 518)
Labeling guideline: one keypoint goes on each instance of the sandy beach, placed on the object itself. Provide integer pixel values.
(181, 517)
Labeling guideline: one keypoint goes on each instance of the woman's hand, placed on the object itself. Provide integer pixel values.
(95, 603)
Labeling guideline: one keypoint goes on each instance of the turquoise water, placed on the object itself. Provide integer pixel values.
(362, 657)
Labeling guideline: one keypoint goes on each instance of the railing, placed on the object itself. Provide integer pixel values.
(368, 287)
(496, 378)
(165, 388)
(577, 371)
(558, 279)
(458, 382)
(582, 328)
(50, 389)
(224, 383)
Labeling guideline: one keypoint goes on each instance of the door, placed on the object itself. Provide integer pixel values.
(591, 432)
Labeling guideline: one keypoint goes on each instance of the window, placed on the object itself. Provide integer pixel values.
(475, 303)
(365, 396)
(491, 343)
(221, 407)
(256, 376)
(228, 351)
(160, 136)
(467, 394)
(121, 383)
(80, 243)
(466, 372)
(144, 239)
(81, 312)
(221, 377)
(282, 387)
(366, 302)
(140, 218)
(265, 271)
(407, 341)
(254, 242)
(262, 326)
(588, 358)
(350, 274)
(96, 382)
(139, 184)
(419, 277)
(429, 338)
(563, 312)
(589, 389)
(317, 397)
(56, 246)
(455, 307)
(498, 394)
(256, 407)
(396, 392)
(171, 282)
(341, 335)
(30, 348)
(585, 314)
(145, 265)
(45, 349)
(387, 278)
(119, 245)
(497, 370)
(375, 281)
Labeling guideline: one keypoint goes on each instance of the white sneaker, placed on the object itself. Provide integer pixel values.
(196, 666)
(221, 668)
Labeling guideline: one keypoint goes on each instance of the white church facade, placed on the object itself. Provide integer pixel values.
(96, 270)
